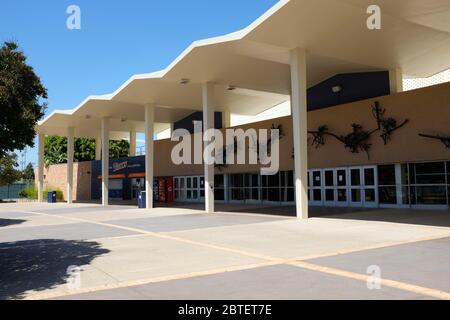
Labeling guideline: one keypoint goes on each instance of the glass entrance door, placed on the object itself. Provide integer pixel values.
(329, 177)
(363, 187)
(316, 196)
(179, 189)
(341, 187)
(193, 189)
(355, 177)
(370, 187)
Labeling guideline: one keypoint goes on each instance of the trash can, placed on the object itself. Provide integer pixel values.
(141, 200)
(51, 197)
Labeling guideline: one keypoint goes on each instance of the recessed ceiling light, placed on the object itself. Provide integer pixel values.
(88, 117)
(231, 88)
(184, 81)
(123, 120)
(337, 89)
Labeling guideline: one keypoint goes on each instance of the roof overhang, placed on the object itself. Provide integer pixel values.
(415, 36)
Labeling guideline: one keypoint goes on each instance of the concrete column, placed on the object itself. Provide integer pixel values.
(70, 151)
(226, 119)
(396, 80)
(98, 148)
(40, 186)
(105, 161)
(300, 130)
(132, 144)
(149, 153)
(208, 123)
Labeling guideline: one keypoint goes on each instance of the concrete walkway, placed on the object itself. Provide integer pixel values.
(85, 251)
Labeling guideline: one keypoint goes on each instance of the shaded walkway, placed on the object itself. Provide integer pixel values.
(41, 264)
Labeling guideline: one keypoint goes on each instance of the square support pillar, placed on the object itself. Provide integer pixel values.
(105, 161)
(300, 130)
(40, 186)
(396, 80)
(98, 148)
(208, 123)
(149, 153)
(226, 119)
(132, 152)
(70, 152)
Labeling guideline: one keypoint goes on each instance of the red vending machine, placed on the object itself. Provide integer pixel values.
(169, 195)
(162, 190)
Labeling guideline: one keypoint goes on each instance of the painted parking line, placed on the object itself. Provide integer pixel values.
(269, 261)
(372, 247)
(433, 293)
(168, 237)
(127, 284)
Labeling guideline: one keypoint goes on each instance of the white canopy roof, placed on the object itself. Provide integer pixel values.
(415, 37)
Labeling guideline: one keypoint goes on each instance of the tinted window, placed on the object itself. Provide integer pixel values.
(386, 175)
(430, 173)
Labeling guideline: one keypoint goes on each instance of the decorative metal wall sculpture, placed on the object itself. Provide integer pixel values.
(233, 148)
(443, 139)
(359, 139)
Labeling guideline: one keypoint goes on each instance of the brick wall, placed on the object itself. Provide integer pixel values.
(55, 177)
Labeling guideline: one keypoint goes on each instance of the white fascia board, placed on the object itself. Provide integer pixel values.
(72, 111)
(234, 36)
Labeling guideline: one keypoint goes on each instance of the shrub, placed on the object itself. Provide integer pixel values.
(31, 193)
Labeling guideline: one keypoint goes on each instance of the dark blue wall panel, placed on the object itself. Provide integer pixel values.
(116, 166)
(187, 123)
(355, 87)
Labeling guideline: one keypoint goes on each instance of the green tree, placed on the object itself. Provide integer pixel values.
(8, 172)
(28, 173)
(119, 148)
(84, 150)
(55, 150)
(21, 95)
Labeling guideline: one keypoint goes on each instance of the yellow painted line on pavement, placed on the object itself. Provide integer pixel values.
(299, 262)
(372, 247)
(167, 237)
(437, 294)
(127, 284)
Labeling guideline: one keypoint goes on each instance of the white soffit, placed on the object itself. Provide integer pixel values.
(414, 36)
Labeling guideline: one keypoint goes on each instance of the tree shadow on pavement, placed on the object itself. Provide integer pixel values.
(41, 264)
(10, 222)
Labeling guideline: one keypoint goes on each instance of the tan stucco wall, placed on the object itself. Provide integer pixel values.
(428, 111)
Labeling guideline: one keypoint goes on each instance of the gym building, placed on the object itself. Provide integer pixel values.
(351, 136)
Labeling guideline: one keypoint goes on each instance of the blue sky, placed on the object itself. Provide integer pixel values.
(117, 39)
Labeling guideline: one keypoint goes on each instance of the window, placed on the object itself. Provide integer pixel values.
(329, 195)
(432, 195)
(386, 175)
(388, 195)
(252, 187)
(387, 188)
(341, 178)
(342, 195)
(317, 179)
(219, 187)
(355, 177)
(317, 195)
(356, 195)
(430, 173)
(369, 177)
(329, 178)
(428, 184)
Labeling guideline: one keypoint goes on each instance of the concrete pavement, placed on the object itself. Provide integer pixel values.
(181, 253)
